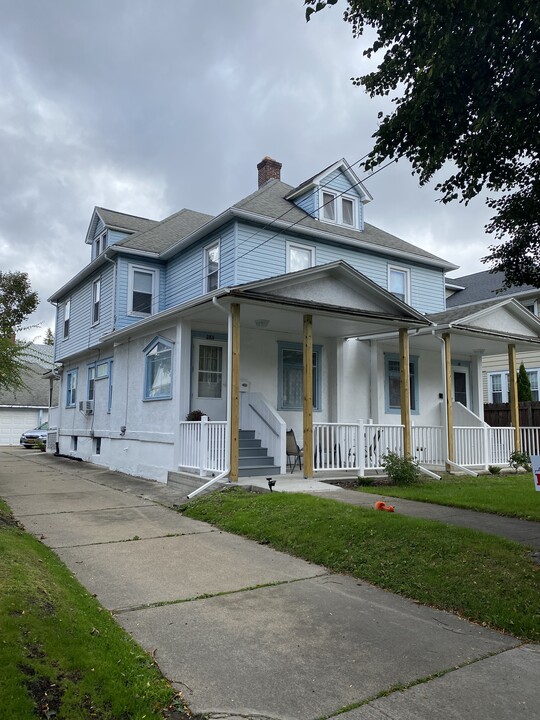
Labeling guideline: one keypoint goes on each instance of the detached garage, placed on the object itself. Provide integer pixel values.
(28, 407)
(15, 420)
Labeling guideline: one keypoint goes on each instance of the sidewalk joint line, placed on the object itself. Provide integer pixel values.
(401, 687)
(209, 596)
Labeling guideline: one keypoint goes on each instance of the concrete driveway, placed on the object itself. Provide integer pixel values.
(245, 631)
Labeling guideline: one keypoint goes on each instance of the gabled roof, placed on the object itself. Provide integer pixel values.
(117, 221)
(482, 286)
(161, 235)
(346, 169)
(505, 317)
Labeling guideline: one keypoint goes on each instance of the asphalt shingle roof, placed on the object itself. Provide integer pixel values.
(125, 221)
(459, 312)
(270, 201)
(482, 286)
(162, 235)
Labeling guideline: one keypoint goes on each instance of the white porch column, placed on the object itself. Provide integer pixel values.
(182, 375)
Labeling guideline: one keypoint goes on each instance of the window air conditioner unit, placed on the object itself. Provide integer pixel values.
(86, 406)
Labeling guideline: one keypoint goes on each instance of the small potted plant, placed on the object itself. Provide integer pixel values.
(195, 415)
(40, 445)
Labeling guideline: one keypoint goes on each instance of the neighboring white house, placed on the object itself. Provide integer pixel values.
(286, 311)
(479, 288)
(28, 407)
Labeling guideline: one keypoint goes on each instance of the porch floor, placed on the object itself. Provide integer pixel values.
(296, 482)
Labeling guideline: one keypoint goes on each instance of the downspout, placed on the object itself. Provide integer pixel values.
(228, 426)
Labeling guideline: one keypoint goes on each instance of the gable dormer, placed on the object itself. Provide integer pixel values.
(335, 196)
(108, 227)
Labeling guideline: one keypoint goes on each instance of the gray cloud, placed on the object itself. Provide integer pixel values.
(149, 107)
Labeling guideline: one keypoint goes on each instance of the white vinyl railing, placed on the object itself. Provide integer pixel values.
(428, 444)
(270, 428)
(202, 446)
(530, 440)
(336, 446)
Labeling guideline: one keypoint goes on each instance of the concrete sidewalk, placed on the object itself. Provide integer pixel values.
(245, 631)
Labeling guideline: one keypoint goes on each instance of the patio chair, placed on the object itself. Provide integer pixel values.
(293, 451)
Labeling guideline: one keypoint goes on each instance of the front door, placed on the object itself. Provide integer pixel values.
(460, 385)
(209, 379)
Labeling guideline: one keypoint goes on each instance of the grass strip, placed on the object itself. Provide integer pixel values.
(483, 578)
(62, 655)
(510, 495)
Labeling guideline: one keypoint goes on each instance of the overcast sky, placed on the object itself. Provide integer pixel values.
(148, 107)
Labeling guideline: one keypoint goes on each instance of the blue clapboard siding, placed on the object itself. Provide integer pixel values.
(309, 202)
(185, 279)
(82, 334)
(100, 227)
(114, 236)
(123, 263)
(267, 257)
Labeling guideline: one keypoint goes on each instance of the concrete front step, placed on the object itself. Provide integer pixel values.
(258, 471)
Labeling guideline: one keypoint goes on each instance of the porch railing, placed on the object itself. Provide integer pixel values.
(202, 446)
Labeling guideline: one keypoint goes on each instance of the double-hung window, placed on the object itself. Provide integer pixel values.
(291, 376)
(91, 382)
(392, 383)
(142, 291)
(96, 297)
(67, 314)
(71, 388)
(499, 382)
(399, 283)
(211, 267)
(158, 370)
(100, 243)
(338, 209)
(299, 257)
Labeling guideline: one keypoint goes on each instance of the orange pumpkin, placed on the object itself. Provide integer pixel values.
(380, 505)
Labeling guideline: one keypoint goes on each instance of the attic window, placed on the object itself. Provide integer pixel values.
(336, 208)
(100, 243)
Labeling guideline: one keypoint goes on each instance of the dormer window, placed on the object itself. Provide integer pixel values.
(338, 209)
(100, 244)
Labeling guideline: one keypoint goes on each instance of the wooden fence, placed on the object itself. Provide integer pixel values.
(498, 414)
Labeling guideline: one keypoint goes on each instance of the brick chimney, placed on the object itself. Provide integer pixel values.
(268, 169)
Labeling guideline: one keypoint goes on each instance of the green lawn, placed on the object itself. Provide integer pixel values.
(512, 495)
(481, 577)
(61, 654)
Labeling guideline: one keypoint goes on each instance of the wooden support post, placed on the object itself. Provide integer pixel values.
(405, 389)
(235, 391)
(513, 390)
(448, 398)
(308, 396)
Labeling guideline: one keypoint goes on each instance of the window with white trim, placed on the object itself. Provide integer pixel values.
(71, 388)
(392, 383)
(158, 370)
(142, 291)
(499, 382)
(399, 283)
(299, 257)
(67, 314)
(339, 209)
(211, 267)
(291, 376)
(96, 297)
